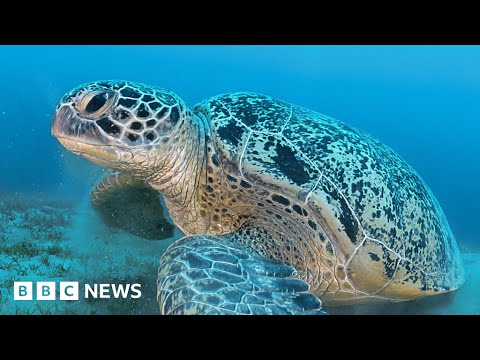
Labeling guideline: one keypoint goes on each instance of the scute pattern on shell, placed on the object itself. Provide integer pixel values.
(379, 208)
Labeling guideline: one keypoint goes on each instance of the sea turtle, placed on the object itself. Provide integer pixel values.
(282, 208)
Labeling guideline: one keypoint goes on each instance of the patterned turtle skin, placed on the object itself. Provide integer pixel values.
(284, 189)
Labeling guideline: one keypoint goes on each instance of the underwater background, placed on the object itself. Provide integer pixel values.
(422, 101)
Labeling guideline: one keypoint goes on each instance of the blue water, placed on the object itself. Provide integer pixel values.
(423, 101)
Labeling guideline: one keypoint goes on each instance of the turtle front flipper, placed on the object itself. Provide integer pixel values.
(124, 202)
(203, 274)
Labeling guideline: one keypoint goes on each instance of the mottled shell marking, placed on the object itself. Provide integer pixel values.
(363, 190)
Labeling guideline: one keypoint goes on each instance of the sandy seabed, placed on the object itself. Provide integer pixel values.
(45, 240)
(42, 240)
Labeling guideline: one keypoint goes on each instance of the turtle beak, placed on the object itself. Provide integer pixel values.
(66, 124)
(82, 137)
(58, 127)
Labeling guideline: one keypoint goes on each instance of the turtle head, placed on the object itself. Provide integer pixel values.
(118, 124)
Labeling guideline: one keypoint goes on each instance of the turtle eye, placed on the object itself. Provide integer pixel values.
(96, 103)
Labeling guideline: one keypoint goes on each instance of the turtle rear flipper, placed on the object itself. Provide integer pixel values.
(124, 202)
(203, 274)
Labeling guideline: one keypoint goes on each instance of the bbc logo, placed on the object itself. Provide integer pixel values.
(45, 290)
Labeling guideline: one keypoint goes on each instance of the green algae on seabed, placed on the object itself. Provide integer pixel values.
(44, 240)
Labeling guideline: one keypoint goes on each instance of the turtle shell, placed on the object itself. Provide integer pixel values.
(389, 232)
